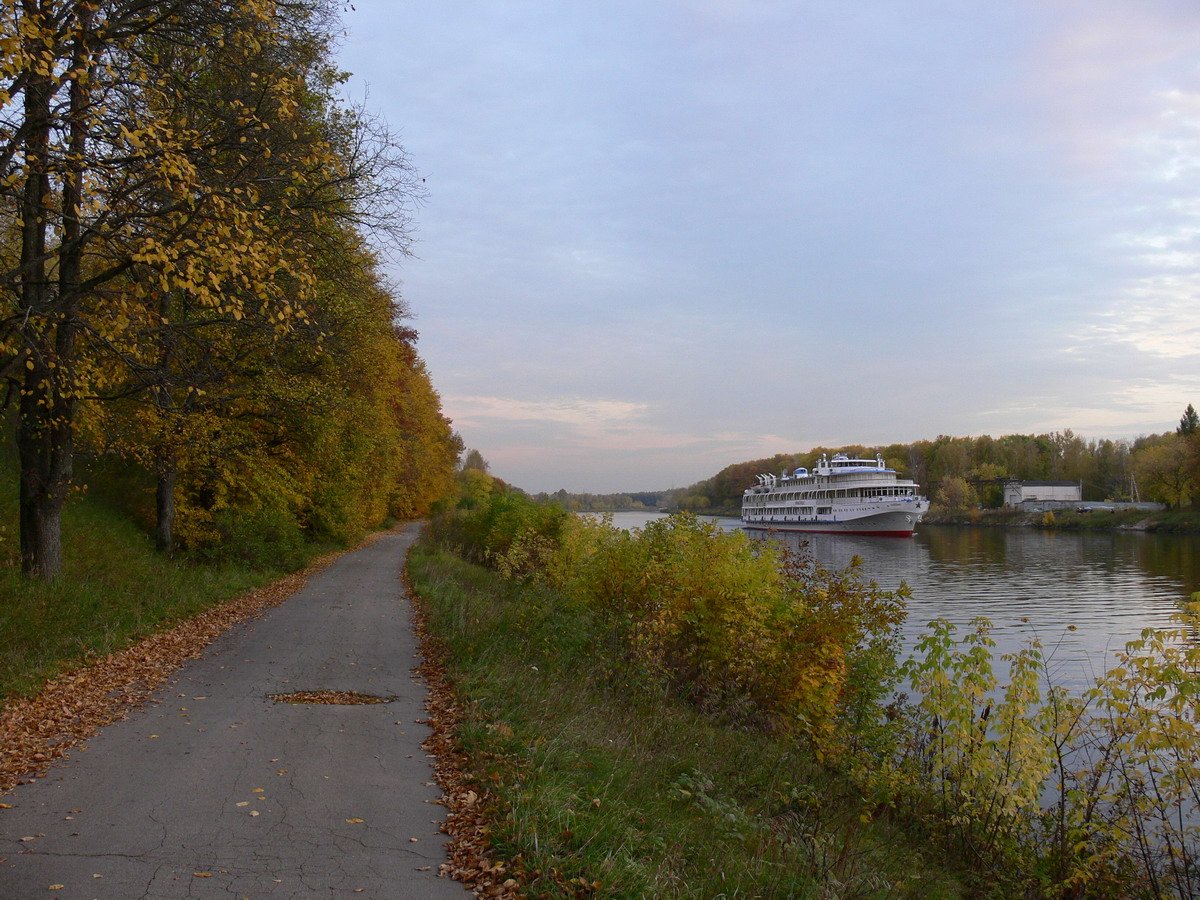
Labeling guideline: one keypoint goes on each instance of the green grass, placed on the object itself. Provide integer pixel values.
(603, 780)
(1182, 521)
(114, 587)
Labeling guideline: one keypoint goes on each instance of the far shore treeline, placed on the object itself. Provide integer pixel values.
(963, 472)
(192, 312)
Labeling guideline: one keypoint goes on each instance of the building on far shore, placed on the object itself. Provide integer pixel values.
(1043, 494)
(1047, 495)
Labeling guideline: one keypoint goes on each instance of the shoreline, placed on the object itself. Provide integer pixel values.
(1170, 521)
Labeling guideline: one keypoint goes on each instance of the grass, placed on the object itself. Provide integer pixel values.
(114, 589)
(607, 787)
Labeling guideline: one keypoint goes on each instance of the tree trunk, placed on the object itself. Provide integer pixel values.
(46, 431)
(164, 533)
(40, 500)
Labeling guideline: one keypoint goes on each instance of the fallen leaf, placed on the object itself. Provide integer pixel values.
(243, 803)
(259, 791)
(203, 874)
(351, 821)
(5, 806)
(55, 887)
(254, 812)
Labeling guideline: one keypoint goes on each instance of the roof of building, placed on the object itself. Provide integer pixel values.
(1046, 483)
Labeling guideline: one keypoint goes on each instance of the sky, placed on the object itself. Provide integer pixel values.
(663, 236)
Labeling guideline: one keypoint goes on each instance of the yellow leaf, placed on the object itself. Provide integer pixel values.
(354, 821)
(203, 874)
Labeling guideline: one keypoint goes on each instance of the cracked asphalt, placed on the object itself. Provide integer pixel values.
(214, 790)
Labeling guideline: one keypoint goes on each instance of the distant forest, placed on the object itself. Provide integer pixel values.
(967, 471)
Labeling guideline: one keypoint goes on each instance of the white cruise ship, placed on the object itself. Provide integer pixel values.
(839, 496)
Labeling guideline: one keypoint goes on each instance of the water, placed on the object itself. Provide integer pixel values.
(1108, 585)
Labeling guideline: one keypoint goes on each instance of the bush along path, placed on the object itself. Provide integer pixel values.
(217, 784)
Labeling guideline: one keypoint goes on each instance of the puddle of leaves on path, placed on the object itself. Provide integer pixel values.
(330, 698)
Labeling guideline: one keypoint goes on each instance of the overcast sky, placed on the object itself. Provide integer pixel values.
(662, 236)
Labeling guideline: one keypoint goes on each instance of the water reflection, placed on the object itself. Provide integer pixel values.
(1109, 586)
(1083, 595)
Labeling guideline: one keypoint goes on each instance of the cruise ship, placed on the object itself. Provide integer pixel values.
(839, 496)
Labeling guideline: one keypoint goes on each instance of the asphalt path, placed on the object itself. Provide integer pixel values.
(213, 789)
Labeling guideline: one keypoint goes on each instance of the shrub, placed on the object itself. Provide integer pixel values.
(505, 530)
(726, 621)
(263, 538)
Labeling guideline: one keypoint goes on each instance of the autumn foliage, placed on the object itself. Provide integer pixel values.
(732, 624)
(190, 227)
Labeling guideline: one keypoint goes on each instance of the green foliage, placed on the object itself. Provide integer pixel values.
(263, 538)
(1189, 422)
(1167, 468)
(1095, 795)
(978, 757)
(500, 527)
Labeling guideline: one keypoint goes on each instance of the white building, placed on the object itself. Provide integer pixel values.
(1049, 493)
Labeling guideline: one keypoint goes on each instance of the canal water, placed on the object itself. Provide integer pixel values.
(1028, 582)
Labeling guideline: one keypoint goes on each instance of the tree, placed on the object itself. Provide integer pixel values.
(169, 171)
(474, 461)
(83, 163)
(1165, 470)
(955, 494)
(1189, 423)
(987, 480)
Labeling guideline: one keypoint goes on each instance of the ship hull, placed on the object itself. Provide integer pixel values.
(895, 523)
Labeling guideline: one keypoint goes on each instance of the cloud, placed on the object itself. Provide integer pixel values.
(1156, 315)
(1100, 75)
(590, 413)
